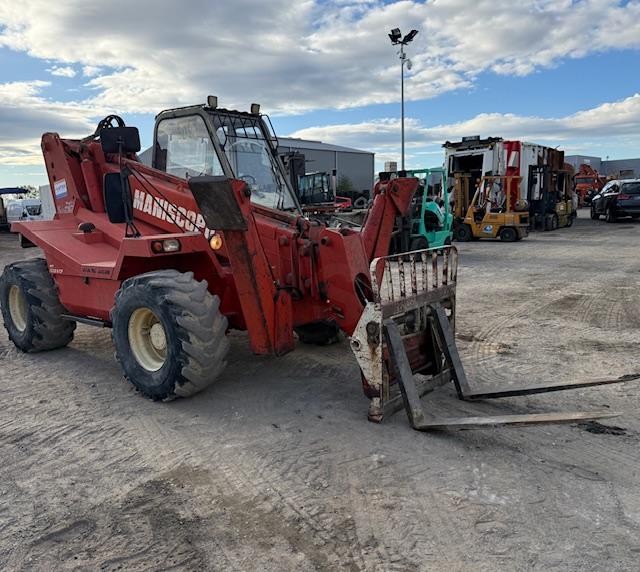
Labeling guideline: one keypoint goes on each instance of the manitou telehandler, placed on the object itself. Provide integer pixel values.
(212, 238)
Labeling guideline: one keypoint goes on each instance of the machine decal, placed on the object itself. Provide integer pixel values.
(60, 189)
(488, 228)
(164, 210)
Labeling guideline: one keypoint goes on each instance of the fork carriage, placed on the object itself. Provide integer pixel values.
(405, 346)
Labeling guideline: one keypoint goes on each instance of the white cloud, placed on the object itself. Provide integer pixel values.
(620, 119)
(25, 115)
(297, 56)
(62, 71)
(90, 71)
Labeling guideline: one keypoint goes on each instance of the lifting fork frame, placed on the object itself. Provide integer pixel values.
(404, 294)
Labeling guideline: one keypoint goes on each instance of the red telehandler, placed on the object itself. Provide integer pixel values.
(211, 238)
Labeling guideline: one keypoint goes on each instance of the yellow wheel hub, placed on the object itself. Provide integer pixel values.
(18, 308)
(147, 339)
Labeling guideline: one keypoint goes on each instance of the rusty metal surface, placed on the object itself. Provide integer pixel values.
(403, 287)
(461, 423)
(407, 275)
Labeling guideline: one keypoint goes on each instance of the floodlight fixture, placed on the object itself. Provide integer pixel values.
(409, 37)
(395, 36)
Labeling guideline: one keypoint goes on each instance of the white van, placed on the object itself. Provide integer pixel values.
(24, 209)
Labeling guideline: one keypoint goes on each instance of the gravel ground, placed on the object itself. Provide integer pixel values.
(276, 467)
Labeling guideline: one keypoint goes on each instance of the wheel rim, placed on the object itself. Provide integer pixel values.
(147, 339)
(18, 308)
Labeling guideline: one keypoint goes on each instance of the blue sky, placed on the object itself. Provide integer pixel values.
(556, 72)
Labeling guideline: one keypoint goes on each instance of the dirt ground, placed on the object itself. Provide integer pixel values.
(276, 467)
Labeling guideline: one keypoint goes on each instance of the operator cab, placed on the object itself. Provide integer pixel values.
(204, 140)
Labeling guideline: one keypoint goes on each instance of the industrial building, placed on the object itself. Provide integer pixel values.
(353, 164)
(622, 168)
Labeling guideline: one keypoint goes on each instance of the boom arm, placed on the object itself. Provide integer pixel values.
(391, 199)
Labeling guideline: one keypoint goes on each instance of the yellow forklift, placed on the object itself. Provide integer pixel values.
(550, 197)
(492, 212)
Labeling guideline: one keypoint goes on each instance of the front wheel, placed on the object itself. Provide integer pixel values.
(610, 215)
(594, 214)
(463, 233)
(169, 334)
(508, 234)
(31, 309)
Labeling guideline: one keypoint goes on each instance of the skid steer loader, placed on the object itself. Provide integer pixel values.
(211, 237)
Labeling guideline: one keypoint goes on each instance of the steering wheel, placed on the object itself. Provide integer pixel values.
(106, 123)
(246, 178)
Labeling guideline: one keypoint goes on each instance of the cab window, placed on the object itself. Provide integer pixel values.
(184, 148)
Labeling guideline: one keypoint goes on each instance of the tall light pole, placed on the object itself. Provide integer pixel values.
(396, 39)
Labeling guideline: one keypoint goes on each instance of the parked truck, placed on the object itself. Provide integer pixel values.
(538, 181)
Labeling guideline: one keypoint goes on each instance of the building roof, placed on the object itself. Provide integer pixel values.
(296, 143)
(13, 191)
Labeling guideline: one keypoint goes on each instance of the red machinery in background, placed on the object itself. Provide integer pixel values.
(587, 183)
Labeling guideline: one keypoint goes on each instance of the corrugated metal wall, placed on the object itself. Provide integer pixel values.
(358, 167)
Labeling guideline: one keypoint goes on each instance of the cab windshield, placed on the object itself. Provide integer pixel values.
(184, 148)
(248, 151)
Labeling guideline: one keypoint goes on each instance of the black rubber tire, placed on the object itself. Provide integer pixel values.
(45, 328)
(419, 243)
(547, 223)
(609, 215)
(360, 203)
(195, 331)
(569, 220)
(463, 233)
(319, 334)
(508, 234)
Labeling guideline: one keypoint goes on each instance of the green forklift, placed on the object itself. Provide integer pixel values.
(431, 222)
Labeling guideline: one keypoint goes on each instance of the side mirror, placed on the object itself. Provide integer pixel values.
(116, 139)
(115, 196)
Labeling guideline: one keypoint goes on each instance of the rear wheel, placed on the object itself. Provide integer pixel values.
(610, 215)
(508, 234)
(419, 243)
(555, 223)
(31, 308)
(169, 334)
(360, 203)
(319, 334)
(463, 233)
